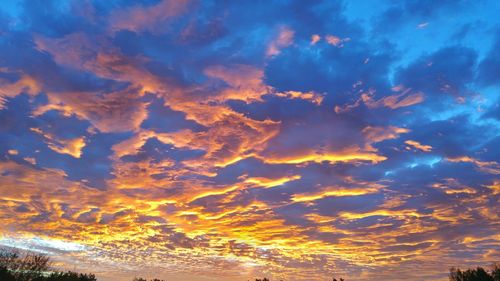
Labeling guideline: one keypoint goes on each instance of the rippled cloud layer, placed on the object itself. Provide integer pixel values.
(221, 140)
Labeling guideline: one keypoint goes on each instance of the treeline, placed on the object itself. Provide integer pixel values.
(34, 267)
(38, 267)
(478, 274)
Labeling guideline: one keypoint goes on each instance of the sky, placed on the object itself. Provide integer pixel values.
(228, 140)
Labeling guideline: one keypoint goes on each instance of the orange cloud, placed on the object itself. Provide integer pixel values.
(491, 167)
(268, 183)
(139, 19)
(350, 155)
(333, 191)
(385, 213)
(309, 96)
(246, 84)
(283, 40)
(404, 99)
(417, 145)
(315, 39)
(333, 40)
(71, 147)
(378, 134)
(495, 187)
(453, 186)
(245, 81)
(25, 84)
(111, 112)
(227, 141)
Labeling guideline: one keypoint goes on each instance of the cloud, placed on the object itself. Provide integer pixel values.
(489, 167)
(336, 41)
(404, 99)
(446, 71)
(310, 96)
(315, 39)
(72, 147)
(490, 65)
(288, 139)
(245, 82)
(332, 191)
(343, 156)
(283, 40)
(24, 84)
(140, 18)
(378, 134)
(417, 145)
(111, 112)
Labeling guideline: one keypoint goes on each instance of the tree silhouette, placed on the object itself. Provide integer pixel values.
(28, 267)
(34, 267)
(478, 274)
(495, 273)
(68, 276)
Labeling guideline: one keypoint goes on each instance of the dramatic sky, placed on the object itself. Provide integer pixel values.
(225, 140)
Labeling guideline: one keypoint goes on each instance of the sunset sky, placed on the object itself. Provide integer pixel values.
(229, 140)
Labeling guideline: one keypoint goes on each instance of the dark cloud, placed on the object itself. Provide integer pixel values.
(447, 71)
(490, 65)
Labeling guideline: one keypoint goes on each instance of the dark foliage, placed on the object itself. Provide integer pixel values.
(5, 275)
(68, 276)
(34, 267)
(28, 267)
(478, 274)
